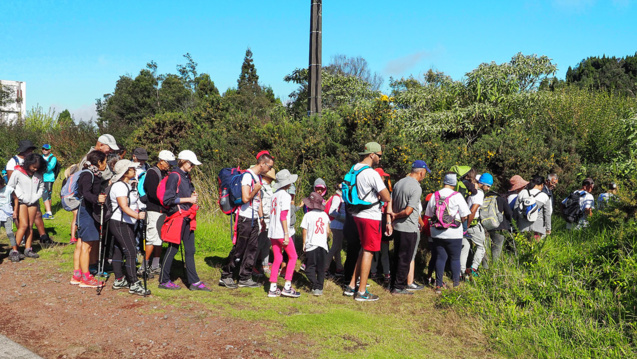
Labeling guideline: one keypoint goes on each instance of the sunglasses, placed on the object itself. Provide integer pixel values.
(379, 156)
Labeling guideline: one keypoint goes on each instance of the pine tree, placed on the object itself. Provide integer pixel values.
(248, 80)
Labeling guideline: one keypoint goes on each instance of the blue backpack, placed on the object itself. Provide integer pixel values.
(230, 188)
(353, 199)
(69, 197)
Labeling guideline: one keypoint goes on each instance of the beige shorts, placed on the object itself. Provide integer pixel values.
(155, 220)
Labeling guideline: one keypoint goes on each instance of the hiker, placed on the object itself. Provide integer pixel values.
(124, 202)
(180, 199)
(106, 144)
(320, 188)
(533, 219)
(27, 185)
(155, 214)
(25, 148)
(250, 218)
(6, 221)
(336, 213)
(549, 186)
(586, 204)
(516, 184)
(367, 218)
(405, 223)
(431, 247)
(497, 234)
(140, 156)
(476, 232)
(279, 234)
(316, 230)
(49, 177)
(605, 198)
(447, 236)
(262, 266)
(291, 224)
(387, 236)
(89, 186)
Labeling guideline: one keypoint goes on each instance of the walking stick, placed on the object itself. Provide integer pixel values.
(100, 267)
(144, 260)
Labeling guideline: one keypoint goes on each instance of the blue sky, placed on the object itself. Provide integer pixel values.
(72, 52)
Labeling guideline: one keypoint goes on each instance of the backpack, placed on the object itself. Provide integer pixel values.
(527, 207)
(69, 195)
(353, 200)
(442, 219)
(461, 186)
(328, 206)
(571, 209)
(161, 188)
(143, 196)
(490, 216)
(108, 205)
(56, 169)
(230, 188)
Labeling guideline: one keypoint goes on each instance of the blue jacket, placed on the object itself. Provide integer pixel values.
(51, 161)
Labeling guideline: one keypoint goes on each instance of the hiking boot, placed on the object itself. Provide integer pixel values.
(90, 282)
(155, 270)
(290, 293)
(29, 253)
(121, 283)
(199, 286)
(228, 283)
(248, 283)
(317, 292)
(365, 297)
(170, 285)
(14, 256)
(274, 293)
(140, 273)
(415, 286)
(46, 242)
(349, 291)
(138, 288)
(75, 280)
(401, 291)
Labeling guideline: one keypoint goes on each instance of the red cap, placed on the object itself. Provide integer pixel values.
(263, 153)
(382, 173)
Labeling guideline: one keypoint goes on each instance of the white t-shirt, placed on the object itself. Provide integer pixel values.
(457, 207)
(478, 199)
(11, 163)
(121, 189)
(250, 209)
(281, 201)
(337, 207)
(316, 223)
(586, 201)
(369, 184)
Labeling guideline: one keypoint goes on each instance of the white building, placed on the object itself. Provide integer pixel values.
(16, 106)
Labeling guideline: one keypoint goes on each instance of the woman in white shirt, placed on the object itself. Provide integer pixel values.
(542, 201)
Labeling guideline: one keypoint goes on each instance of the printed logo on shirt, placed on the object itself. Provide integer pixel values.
(320, 226)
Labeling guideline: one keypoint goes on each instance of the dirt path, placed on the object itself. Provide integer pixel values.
(42, 312)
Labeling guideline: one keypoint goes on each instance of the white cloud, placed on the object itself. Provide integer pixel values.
(402, 64)
(83, 113)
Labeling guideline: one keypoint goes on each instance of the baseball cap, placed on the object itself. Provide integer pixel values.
(420, 164)
(450, 179)
(168, 157)
(140, 154)
(189, 156)
(371, 147)
(381, 172)
(46, 146)
(108, 140)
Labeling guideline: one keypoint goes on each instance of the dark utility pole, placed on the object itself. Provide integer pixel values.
(314, 82)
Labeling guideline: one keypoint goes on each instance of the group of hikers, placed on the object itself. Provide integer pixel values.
(123, 208)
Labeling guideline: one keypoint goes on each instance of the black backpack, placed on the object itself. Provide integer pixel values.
(108, 206)
(56, 169)
(571, 209)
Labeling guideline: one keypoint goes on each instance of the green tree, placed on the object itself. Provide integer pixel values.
(612, 74)
(173, 94)
(248, 79)
(65, 119)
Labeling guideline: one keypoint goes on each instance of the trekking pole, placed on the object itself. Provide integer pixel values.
(144, 260)
(100, 266)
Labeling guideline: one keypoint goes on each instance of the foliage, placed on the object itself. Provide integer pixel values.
(612, 74)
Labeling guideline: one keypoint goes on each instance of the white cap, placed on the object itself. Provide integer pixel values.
(189, 156)
(168, 157)
(108, 140)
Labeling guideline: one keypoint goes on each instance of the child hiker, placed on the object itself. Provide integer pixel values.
(279, 233)
(6, 221)
(316, 229)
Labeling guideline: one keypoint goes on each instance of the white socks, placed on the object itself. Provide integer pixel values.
(287, 285)
(272, 287)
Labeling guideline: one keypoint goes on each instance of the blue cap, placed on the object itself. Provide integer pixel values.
(420, 164)
(46, 146)
(486, 179)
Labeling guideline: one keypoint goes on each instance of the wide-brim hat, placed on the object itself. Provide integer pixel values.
(284, 178)
(517, 183)
(271, 174)
(24, 146)
(122, 167)
(314, 201)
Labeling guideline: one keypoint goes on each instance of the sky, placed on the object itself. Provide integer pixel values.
(72, 52)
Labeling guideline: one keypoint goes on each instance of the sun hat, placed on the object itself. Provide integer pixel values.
(450, 179)
(108, 140)
(141, 154)
(420, 164)
(517, 183)
(284, 178)
(381, 172)
(371, 147)
(271, 174)
(24, 146)
(314, 201)
(486, 179)
(121, 167)
(46, 146)
(188, 156)
(292, 190)
(168, 157)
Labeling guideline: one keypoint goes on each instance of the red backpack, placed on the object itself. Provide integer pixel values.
(328, 205)
(161, 188)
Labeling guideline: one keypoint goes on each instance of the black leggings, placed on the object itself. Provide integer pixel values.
(188, 240)
(124, 247)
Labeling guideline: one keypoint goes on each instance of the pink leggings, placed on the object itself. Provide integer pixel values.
(277, 249)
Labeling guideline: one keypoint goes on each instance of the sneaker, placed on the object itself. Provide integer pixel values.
(302, 269)
(76, 280)
(228, 283)
(415, 286)
(199, 286)
(274, 293)
(30, 253)
(401, 291)
(439, 290)
(47, 216)
(73, 241)
(46, 242)
(317, 292)
(90, 282)
(386, 278)
(121, 284)
(430, 281)
(92, 268)
(170, 285)
(470, 272)
(140, 273)
(290, 293)
(365, 297)
(14, 256)
(138, 288)
(21, 256)
(248, 283)
(349, 291)
(256, 273)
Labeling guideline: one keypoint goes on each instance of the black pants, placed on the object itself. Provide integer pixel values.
(124, 248)
(188, 241)
(263, 250)
(245, 249)
(404, 246)
(353, 241)
(383, 255)
(314, 267)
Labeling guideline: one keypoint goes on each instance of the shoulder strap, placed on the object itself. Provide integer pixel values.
(16, 159)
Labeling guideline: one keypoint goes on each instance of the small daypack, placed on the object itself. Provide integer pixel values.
(527, 207)
(328, 205)
(69, 195)
(353, 199)
(442, 219)
(571, 209)
(230, 188)
(490, 216)
(161, 188)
